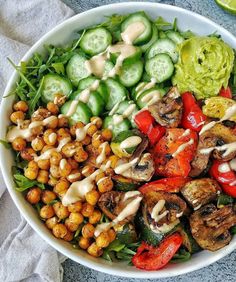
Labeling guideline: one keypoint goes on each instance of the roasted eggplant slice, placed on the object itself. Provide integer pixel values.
(168, 111)
(210, 226)
(199, 192)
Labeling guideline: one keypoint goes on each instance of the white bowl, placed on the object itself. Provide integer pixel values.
(62, 34)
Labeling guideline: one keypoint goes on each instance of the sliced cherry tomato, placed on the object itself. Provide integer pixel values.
(222, 172)
(168, 161)
(229, 189)
(226, 92)
(193, 117)
(171, 185)
(154, 258)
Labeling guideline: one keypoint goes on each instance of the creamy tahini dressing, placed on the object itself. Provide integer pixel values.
(182, 147)
(82, 132)
(232, 164)
(143, 87)
(117, 119)
(186, 133)
(102, 156)
(96, 65)
(52, 137)
(151, 98)
(223, 168)
(62, 164)
(155, 214)
(74, 176)
(133, 31)
(125, 166)
(228, 148)
(130, 142)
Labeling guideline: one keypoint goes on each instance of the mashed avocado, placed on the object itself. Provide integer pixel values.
(204, 66)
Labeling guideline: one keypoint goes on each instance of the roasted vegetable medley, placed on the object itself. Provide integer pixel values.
(125, 140)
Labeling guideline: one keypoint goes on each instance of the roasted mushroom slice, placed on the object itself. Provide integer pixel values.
(210, 226)
(142, 171)
(168, 111)
(200, 161)
(108, 203)
(199, 192)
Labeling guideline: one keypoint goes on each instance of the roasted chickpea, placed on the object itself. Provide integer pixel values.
(84, 243)
(59, 230)
(33, 195)
(60, 210)
(105, 184)
(52, 181)
(88, 230)
(47, 212)
(95, 217)
(103, 240)
(43, 176)
(76, 126)
(97, 121)
(17, 116)
(87, 209)
(76, 207)
(19, 144)
(74, 176)
(92, 197)
(69, 236)
(27, 154)
(100, 176)
(55, 171)
(112, 234)
(87, 170)
(46, 148)
(35, 131)
(54, 109)
(64, 168)
(94, 250)
(73, 163)
(107, 134)
(53, 124)
(69, 150)
(50, 137)
(48, 196)
(114, 159)
(73, 221)
(61, 187)
(87, 140)
(55, 158)
(32, 170)
(37, 144)
(92, 129)
(21, 106)
(81, 156)
(44, 164)
(51, 222)
(63, 122)
(107, 149)
(96, 140)
(63, 133)
(40, 114)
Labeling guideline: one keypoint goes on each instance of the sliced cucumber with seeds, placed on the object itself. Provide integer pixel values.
(117, 92)
(55, 84)
(123, 107)
(95, 41)
(160, 67)
(131, 74)
(154, 37)
(107, 68)
(102, 88)
(76, 69)
(175, 36)
(130, 59)
(82, 112)
(139, 17)
(156, 91)
(166, 46)
(116, 129)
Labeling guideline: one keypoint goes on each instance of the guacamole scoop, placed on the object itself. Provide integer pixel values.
(204, 66)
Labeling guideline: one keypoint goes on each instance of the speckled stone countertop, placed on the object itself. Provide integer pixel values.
(223, 270)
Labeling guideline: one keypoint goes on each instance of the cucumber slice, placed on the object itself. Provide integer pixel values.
(137, 18)
(154, 90)
(116, 93)
(166, 46)
(123, 106)
(175, 36)
(54, 84)
(102, 88)
(121, 137)
(160, 67)
(95, 102)
(82, 113)
(108, 67)
(116, 129)
(129, 60)
(95, 41)
(154, 37)
(131, 74)
(76, 69)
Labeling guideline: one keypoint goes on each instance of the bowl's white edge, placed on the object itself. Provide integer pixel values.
(132, 273)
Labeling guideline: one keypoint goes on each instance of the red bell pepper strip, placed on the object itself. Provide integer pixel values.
(153, 258)
(193, 117)
(229, 189)
(226, 92)
(147, 125)
(171, 185)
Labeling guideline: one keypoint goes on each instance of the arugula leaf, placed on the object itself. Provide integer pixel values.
(23, 183)
(36, 98)
(6, 144)
(59, 68)
(175, 26)
(181, 256)
(161, 23)
(233, 230)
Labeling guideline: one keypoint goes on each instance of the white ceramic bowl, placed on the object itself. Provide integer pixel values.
(63, 34)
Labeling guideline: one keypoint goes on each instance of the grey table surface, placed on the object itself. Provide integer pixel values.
(223, 270)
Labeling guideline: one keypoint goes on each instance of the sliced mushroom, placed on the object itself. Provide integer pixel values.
(168, 111)
(141, 147)
(143, 170)
(199, 192)
(210, 226)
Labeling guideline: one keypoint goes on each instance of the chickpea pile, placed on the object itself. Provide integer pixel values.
(75, 161)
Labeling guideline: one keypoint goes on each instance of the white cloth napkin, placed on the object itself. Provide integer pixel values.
(24, 256)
